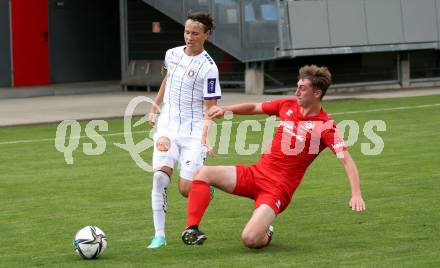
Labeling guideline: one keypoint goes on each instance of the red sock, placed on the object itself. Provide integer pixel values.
(198, 202)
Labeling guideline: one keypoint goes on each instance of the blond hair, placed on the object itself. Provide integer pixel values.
(320, 77)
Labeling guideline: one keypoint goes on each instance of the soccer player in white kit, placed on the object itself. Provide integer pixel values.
(190, 87)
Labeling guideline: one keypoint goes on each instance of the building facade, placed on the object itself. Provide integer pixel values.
(257, 43)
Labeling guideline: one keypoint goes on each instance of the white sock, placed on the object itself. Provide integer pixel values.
(159, 201)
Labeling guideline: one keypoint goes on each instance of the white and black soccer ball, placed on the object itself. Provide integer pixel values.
(90, 242)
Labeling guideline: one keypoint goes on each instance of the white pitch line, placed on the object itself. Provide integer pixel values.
(73, 138)
(389, 109)
(261, 120)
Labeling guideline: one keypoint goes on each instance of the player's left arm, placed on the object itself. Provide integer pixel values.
(211, 93)
(356, 202)
(206, 125)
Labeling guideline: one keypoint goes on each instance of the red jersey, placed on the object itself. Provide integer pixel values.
(297, 142)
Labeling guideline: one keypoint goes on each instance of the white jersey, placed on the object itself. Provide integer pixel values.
(190, 81)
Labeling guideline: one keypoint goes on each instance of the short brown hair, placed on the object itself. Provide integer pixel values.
(320, 77)
(202, 17)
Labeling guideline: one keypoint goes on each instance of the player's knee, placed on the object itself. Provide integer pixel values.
(198, 173)
(160, 179)
(163, 143)
(184, 192)
(164, 169)
(250, 239)
(202, 174)
(184, 188)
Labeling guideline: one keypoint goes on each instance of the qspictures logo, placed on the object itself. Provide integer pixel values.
(294, 136)
(67, 144)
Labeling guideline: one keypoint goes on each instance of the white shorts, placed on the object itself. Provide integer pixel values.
(188, 151)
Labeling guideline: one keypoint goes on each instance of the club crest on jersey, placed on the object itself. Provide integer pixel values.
(211, 85)
(191, 73)
(310, 125)
(289, 112)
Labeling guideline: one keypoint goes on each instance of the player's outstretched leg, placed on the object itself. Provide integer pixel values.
(193, 236)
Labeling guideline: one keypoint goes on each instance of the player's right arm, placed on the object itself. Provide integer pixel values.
(243, 109)
(152, 115)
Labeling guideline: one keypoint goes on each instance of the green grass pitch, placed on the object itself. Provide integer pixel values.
(44, 201)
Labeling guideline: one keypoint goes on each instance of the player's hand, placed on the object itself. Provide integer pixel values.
(152, 119)
(357, 203)
(216, 112)
(209, 150)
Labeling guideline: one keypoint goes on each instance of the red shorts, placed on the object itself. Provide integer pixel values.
(253, 184)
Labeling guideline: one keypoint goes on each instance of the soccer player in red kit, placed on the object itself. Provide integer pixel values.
(305, 130)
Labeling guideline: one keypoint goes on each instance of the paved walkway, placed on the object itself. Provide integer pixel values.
(47, 109)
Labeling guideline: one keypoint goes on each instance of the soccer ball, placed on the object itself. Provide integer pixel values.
(90, 242)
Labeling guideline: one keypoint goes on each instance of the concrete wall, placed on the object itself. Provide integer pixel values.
(373, 24)
(142, 42)
(246, 29)
(5, 48)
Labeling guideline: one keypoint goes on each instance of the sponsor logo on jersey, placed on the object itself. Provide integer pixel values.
(176, 53)
(211, 85)
(289, 127)
(176, 56)
(175, 60)
(287, 124)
